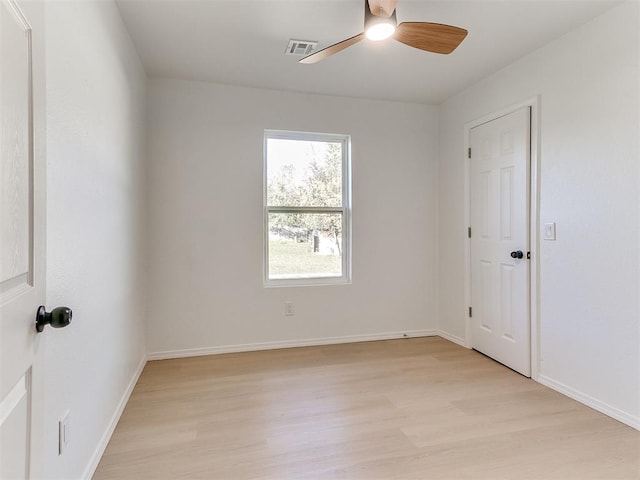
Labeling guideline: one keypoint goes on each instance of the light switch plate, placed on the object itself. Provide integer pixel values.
(64, 432)
(549, 231)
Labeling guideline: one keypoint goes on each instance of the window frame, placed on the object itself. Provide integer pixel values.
(344, 210)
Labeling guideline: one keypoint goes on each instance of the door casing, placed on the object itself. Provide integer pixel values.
(534, 237)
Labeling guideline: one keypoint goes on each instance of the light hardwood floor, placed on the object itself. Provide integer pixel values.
(417, 408)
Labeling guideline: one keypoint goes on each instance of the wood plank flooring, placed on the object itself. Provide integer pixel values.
(402, 409)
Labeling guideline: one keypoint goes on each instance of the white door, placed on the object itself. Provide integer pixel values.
(500, 176)
(22, 235)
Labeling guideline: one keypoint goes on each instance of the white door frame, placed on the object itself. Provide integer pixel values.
(534, 237)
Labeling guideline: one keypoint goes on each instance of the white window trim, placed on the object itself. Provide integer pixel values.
(345, 210)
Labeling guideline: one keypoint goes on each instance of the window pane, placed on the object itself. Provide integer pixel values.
(304, 173)
(305, 245)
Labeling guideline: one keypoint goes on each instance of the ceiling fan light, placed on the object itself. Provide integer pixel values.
(380, 31)
(376, 27)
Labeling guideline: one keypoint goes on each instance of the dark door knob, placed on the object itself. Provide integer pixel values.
(517, 254)
(58, 317)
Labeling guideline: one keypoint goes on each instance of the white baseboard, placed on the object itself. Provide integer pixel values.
(589, 401)
(104, 441)
(451, 338)
(250, 347)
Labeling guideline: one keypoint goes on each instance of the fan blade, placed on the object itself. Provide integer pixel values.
(332, 50)
(432, 37)
(382, 8)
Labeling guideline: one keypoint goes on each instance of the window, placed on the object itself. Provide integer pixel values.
(306, 208)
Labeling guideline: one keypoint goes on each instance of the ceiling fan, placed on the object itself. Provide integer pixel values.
(380, 23)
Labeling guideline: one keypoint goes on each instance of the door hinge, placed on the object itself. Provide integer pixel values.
(469, 232)
(469, 152)
(470, 312)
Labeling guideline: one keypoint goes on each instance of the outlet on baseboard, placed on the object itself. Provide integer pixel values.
(289, 309)
(64, 432)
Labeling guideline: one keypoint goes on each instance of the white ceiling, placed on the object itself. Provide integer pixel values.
(242, 42)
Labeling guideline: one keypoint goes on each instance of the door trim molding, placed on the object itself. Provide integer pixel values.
(534, 237)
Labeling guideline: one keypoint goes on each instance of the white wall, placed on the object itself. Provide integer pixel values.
(206, 247)
(590, 277)
(95, 101)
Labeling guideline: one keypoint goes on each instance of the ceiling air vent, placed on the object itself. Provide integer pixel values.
(300, 47)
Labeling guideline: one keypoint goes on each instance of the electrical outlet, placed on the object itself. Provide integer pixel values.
(289, 309)
(64, 432)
